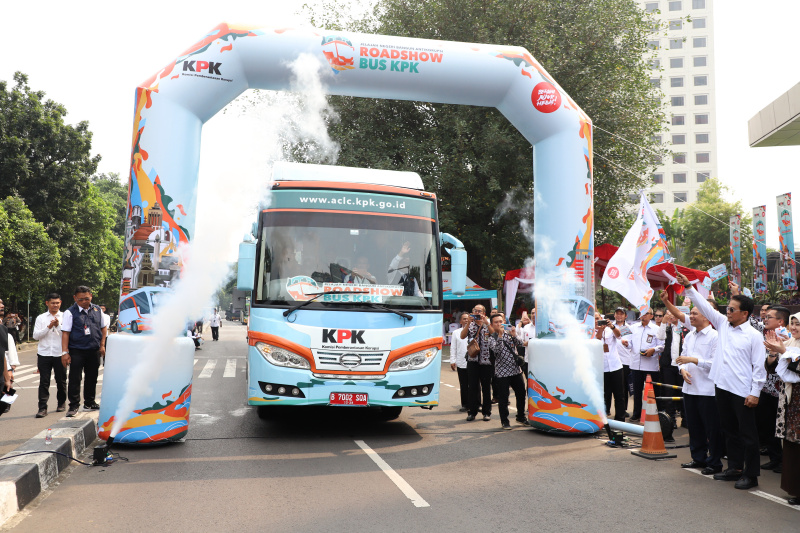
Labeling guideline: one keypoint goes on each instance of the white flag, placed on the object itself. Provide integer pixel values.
(644, 247)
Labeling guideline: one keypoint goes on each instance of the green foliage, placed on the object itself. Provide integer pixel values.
(28, 257)
(472, 157)
(46, 166)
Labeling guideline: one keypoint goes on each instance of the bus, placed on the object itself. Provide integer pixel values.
(344, 275)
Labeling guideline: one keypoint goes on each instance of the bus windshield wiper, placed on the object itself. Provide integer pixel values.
(386, 308)
(316, 295)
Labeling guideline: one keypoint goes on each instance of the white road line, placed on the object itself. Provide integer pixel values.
(195, 362)
(230, 369)
(448, 385)
(396, 478)
(19, 372)
(775, 499)
(25, 378)
(208, 369)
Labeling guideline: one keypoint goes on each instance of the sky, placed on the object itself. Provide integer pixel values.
(90, 55)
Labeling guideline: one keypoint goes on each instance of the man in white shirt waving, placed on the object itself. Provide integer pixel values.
(646, 348)
(738, 374)
(47, 330)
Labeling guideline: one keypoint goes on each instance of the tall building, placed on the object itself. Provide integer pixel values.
(684, 70)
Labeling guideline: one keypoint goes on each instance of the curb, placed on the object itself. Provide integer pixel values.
(23, 478)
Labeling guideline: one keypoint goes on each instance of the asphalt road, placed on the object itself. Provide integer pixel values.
(344, 470)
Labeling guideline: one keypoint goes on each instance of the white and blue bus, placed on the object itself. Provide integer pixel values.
(346, 301)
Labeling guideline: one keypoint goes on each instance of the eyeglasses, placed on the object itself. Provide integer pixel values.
(659, 316)
(770, 317)
(732, 309)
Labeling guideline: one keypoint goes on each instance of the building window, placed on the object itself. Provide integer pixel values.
(675, 44)
(701, 99)
(700, 81)
(676, 62)
(702, 157)
(675, 6)
(653, 45)
(676, 24)
(698, 4)
(677, 101)
(701, 138)
(699, 42)
(655, 82)
(655, 64)
(656, 139)
(703, 176)
(700, 61)
(657, 198)
(679, 158)
(676, 81)
(679, 177)
(678, 120)
(680, 197)
(701, 119)
(657, 160)
(698, 24)
(679, 138)
(658, 179)
(651, 7)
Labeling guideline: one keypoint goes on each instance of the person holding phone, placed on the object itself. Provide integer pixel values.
(612, 367)
(507, 373)
(479, 368)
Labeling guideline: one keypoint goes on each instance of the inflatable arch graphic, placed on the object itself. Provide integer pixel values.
(172, 106)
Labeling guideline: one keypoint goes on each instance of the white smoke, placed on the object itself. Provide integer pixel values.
(257, 130)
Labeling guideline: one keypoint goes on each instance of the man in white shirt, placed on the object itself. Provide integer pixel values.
(458, 360)
(624, 351)
(646, 347)
(215, 323)
(47, 330)
(525, 332)
(612, 367)
(706, 443)
(738, 374)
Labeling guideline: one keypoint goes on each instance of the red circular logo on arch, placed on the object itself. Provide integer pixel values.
(545, 97)
(613, 272)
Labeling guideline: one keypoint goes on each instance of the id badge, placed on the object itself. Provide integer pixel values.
(86, 330)
(649, 339)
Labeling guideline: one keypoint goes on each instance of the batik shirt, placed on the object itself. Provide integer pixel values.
(504, 348)
(483, 358)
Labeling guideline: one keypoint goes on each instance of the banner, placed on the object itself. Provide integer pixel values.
(735, 246)
(786, 237)
(717, 273)
(644, 247)
(760, 249)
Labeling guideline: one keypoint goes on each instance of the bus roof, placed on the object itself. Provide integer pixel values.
(284, 171)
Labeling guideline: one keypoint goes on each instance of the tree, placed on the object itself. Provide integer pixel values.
(472, 157)
(28, 257)
(116, 195)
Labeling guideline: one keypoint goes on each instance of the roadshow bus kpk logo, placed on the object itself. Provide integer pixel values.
(339, 52)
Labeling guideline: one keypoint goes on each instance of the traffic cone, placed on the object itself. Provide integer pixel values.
(652, 440)
(648, 388)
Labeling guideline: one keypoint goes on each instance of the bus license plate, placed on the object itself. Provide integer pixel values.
(348, 398)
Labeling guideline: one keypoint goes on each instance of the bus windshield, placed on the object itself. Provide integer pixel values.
(386, 259)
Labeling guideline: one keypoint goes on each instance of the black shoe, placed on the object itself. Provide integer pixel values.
(728, 475)
(627, 414)
(506, 425)
(470, 418)
(486, 418)
(745, 483)
(61, 408)
(693, 464)
(42, 413)
(669, 440)
(634, 420)
(494, 400)
(463, 410)
(72, 412)
(707, 471)
(771, 464)
(763, 451)
(793, 501)
(522, 421)
(778, 469)
(94, 406)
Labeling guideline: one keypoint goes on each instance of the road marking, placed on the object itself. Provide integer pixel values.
(396, 478)
(208, 369)
(19, 372)
(230, 369)
(448, 385)
(195, 362)
(775, 499)
(25, 378)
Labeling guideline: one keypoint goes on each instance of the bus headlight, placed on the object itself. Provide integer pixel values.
(280, 357)
(414, 361)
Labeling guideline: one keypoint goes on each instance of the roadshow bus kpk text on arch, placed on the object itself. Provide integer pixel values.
(346, 301)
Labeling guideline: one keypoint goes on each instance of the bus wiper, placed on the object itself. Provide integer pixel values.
(316, 295)
(386, 308)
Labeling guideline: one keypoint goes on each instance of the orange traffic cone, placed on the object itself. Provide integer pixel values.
(648, 388)
(652, 440)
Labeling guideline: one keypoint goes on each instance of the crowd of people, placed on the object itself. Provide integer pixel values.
(735, 370)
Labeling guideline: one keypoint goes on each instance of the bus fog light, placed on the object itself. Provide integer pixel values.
(424, 390)
(401, 393)
(295, 391)
(281, 390)
(413, 392)
(268, 387)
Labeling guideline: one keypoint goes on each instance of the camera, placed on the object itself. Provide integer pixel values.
(602, 322)
(475, 317)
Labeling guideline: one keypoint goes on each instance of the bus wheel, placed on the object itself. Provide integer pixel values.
(391, 413)
(134, 327)
(265, 412)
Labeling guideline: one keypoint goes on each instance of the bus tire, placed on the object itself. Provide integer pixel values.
(135, 327)
(265, 412)
(391, 412)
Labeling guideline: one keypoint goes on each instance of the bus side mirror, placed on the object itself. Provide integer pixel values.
(247, 266)
(458, 271)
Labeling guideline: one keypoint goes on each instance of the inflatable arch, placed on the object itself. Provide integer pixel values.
(172, 105)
